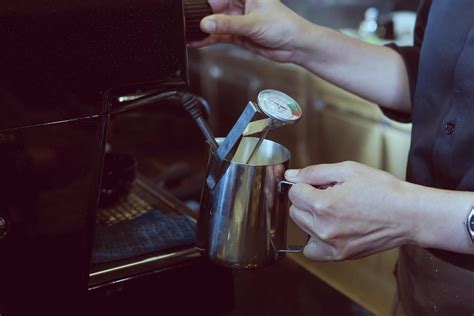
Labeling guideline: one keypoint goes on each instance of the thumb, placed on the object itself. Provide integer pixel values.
(226, 24)
(319, 175)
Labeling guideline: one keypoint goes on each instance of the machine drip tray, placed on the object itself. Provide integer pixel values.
(143, 199)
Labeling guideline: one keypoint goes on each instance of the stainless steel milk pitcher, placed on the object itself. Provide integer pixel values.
(243, 218)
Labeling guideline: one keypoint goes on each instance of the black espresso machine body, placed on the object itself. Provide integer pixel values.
(62, 64)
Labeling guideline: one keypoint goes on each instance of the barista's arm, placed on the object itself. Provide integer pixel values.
(271, 29)
(373, 72)
(365, 211)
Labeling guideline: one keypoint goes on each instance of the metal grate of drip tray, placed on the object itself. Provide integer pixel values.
(142, 198)
(127, 208)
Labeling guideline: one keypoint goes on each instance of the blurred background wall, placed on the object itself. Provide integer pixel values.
(345, 13)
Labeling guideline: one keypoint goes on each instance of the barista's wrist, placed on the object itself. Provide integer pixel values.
(308, 48)
(440, 216)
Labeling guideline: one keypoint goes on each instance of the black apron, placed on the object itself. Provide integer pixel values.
(434, 282)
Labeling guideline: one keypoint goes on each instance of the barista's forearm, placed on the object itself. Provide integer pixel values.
(439, 216)
(373, 72)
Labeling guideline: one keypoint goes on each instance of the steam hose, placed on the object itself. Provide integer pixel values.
(191, 105)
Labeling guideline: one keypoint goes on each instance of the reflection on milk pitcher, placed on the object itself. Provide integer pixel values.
(243, 219)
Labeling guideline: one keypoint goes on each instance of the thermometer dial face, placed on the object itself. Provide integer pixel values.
(279, 106)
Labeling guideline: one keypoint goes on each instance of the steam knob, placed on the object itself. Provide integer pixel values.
(3, 227)
(194, 12)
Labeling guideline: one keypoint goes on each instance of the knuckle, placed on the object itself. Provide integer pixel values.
(307, 172)
(340, 253)
(310, 254)
(346, 168)
(292, 211)
(224, 25)
(319, 206)
(349, 164)
(318, 171)
(326, 234)
(311, 170)
(350, 167)
(338, 256)
(292, 193)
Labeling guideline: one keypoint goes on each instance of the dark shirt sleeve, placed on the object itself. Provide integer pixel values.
(411, 56)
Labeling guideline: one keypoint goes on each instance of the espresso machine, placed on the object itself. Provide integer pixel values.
(67, 69)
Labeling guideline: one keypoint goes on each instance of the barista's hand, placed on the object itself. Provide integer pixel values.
(266, 27)
(350, 210)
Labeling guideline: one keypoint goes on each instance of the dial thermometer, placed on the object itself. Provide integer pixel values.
(281, 110)
(279, 106)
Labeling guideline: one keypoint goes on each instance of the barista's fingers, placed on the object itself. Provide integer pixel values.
(218, 6)
(315, 249)
(306, 197)
(211, 40)
(322, 174)
(305, 220)
(221, 38)
(318, 250)
(228, 24)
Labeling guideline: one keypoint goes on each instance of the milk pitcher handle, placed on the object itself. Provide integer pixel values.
(289, 249)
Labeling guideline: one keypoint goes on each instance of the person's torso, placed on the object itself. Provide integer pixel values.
(442, 151)
(442, 155)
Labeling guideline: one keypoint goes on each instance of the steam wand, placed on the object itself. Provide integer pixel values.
(191, 105)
